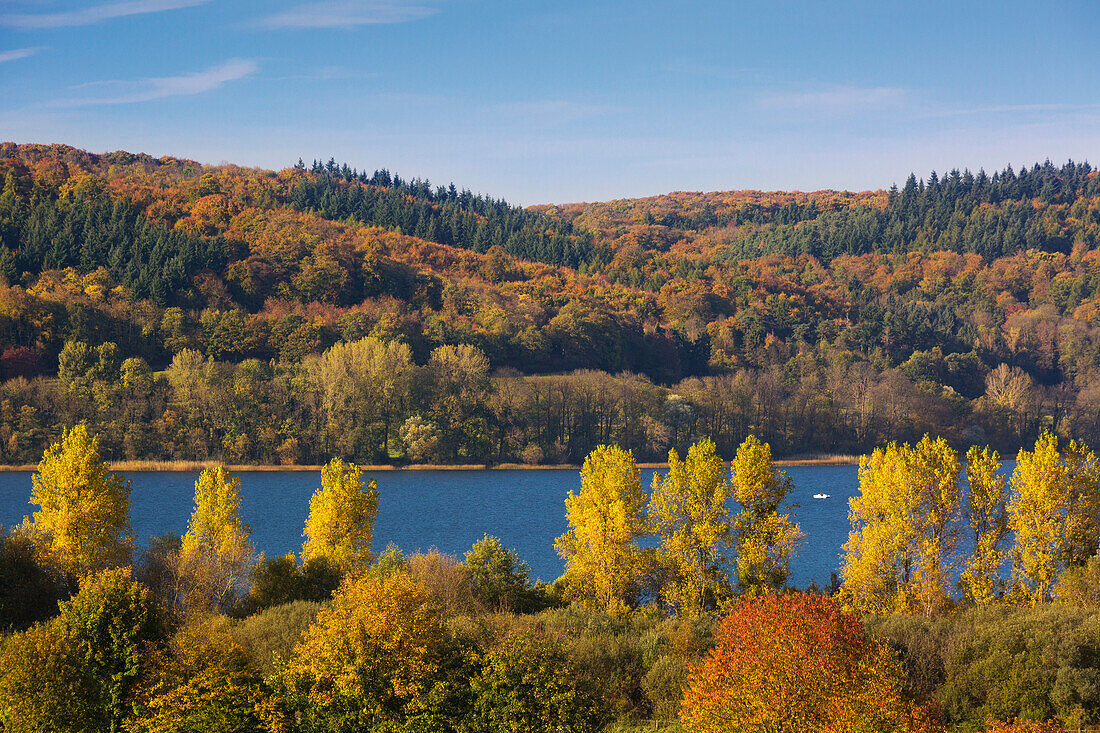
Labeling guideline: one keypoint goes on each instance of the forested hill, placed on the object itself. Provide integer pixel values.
(1044, 207)
(191, 311)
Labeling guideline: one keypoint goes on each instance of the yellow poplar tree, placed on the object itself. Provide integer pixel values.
(602, 559)
(988, 521)
(766, 539)
(84, 521)
(905, 529)
(216, 553)
(340, 526)
(1053, 513)
(688, 512)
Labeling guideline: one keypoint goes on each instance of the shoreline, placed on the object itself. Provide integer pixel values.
(830, 460)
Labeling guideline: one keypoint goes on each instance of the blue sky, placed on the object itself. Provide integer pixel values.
(564, 101)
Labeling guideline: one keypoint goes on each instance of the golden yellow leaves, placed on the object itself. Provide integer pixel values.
(216, 553)
(84, 521)
(372, 652)
(602, 558)
(766, 539)
(1054, 512)
(905, 528)
(688, 512)
(340, 526)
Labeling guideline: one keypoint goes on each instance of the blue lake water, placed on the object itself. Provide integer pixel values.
(448, 510)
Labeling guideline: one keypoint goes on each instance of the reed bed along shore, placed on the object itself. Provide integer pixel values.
(821, 460)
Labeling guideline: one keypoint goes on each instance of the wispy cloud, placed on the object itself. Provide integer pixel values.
(552, 111)
(17, 53)
(147, 90)
(690, 67)
(94, 14)
(835, 100)
(997, 109)
(326, 73)
(349, 14)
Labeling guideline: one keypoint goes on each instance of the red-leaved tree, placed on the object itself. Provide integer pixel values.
(798, 663)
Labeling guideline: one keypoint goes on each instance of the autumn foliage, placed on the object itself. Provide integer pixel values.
(795, 662)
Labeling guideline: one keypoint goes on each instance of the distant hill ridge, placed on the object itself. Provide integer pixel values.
(826, 321)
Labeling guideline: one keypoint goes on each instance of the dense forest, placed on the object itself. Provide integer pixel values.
(186, 311)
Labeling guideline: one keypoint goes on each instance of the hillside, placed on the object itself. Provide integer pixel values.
(183, 310)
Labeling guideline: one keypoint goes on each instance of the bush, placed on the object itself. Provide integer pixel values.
(922, 646)
(114, 623)
(447, 582)
(1033, 663)
(44, 685)
(157, 566)
(272, 634)
(664, 686)
(371, 658)
(503, 581)
(29, 592)
(280, 580)
(204, 681)
(528, 684)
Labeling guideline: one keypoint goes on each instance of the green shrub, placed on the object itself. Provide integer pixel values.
(44, 685)
(115, 623)
(273, 633)
(663, 685)
(527, 683)
(280, 580)
(1035, 664)
(922, 646)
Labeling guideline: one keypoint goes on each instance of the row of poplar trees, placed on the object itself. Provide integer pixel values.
(83, 525)
(700, 539)
(919, 532)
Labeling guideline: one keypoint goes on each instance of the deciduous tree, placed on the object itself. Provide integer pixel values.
(766, 538)
(605, 519)
(795, 663)
(985, 513)
(687, 510)
(1054, 513)
(528, 685)
(369, 657)
(44, 685)
(114, 623)
(202, 680)
(84, 521)
(500, 578)
(340, 526)
(905, 529)
(216, 554)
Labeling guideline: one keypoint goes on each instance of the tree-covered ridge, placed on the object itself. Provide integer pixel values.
(1043, 207)
(119, 257)
(444, 214)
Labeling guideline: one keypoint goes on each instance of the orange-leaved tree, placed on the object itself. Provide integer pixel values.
(797, 662)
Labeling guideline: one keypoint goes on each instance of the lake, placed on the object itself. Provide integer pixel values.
(448, 510)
